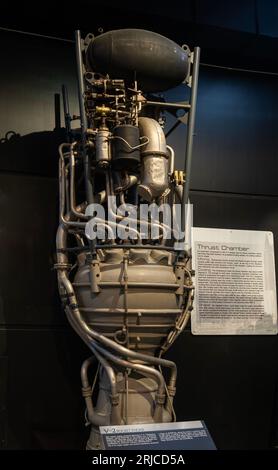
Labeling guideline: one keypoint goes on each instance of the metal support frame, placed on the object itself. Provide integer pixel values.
(67, 116)
(189, 136)
(83, 118)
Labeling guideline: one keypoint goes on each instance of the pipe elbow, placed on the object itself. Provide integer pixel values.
(154, 174)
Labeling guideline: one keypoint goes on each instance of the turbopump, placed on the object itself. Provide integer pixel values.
(124, 272)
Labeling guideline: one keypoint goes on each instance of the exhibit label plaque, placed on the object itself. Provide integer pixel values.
(184, 435)
(235, 282)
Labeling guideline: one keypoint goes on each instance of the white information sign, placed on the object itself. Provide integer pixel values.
(234, 281)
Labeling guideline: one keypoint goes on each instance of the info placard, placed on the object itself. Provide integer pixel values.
(234, 281)
(183, 435)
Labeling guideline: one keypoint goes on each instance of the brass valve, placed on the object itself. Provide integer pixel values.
(179, 177)
(103, 110)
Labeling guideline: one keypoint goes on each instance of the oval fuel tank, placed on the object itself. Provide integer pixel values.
(157, 62)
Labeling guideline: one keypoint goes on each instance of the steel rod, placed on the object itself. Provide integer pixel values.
(83, 118)
(189, 138)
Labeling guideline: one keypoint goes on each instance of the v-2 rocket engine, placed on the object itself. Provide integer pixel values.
(126, 290)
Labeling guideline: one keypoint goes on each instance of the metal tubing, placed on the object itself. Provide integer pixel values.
(142, 247)
(164, 228)
(87, 340)
(72, 185)
(189, 137)
(171, 159)
(84, 371)
(167, 105)
(111, 344)
(157, 285)
(148, 371)
(115, 412)
(127, 246)
(65, 219)
(144, 370)
(94, 418)
(81, 90)
(86, 385)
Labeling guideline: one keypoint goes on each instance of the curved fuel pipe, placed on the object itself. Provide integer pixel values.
(115, 417)
(62, 178)
(74, 210)
(93, 417)
(72, 185)
(164, 228)
(84, 371)
(86, 388)
(102, 195)
(144, 370)
(154, 158)
(77, 211)
(63, 219)
(171, 159)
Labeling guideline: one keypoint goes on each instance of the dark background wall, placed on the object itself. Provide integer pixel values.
(230, 382)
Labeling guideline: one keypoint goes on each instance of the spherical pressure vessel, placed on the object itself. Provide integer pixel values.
(157, 62)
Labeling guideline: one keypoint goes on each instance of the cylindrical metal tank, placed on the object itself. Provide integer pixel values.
(154, 60)
(125, 154)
